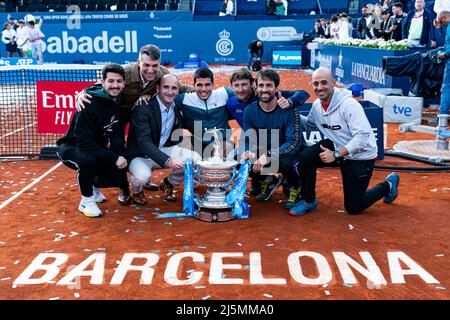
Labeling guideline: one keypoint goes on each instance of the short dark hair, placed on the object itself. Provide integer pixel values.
(269, 74)
(114, 68)
(242, 74)
(203, 73)
(31, 22)
(317, 20)
(334, 18)
(151, 50)
(398, 5)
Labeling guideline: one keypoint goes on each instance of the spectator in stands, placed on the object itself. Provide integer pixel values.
(318, 31)
(363, 22)
(394, 25)
(227, 8)
(418, 27)
(9, 39)
(271, 7)
(255, 52)
(280, 7)
(343, 32)
(384, 26)
(376, 24)
(23, 37)
(386, 5)
(350, 27)
(35, 41)
(13, 23)
(334, 27)
(349, 144)
(443, 19)
(440, 5)
(93, 145)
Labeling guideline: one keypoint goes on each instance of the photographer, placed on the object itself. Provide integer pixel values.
(9, 39)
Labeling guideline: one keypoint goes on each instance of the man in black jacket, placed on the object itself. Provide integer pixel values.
(255, 52)
(418, 27)
(153, 141)
(94, 145)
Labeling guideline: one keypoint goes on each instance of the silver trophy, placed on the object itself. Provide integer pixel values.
(217, 174)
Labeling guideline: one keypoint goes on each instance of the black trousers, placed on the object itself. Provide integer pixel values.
(356, 176)
(286, 168)
(93, 171)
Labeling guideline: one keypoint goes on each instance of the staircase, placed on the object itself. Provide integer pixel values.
(186, 5)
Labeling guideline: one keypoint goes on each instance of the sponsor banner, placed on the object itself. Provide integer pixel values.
(216, 42)
(287, 58)
(17, 61)
(56, 104)
(359, 65)
(73, 16)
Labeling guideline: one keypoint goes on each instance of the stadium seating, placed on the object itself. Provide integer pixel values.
(207, 7)
(333, 6)
(302, 6)
(100, 5)
(245, 7)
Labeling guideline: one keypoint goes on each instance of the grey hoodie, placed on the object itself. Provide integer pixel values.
(346, 124)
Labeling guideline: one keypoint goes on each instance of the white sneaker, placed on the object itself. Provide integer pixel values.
(98, 195)
(89, 208)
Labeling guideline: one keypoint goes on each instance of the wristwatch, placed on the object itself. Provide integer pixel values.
(336, 154)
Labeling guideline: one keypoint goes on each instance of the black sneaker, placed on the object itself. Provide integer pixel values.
(294, 197)
(151, 186)
(267, 189)
(256, 187)
(286, 186)
(124, 199)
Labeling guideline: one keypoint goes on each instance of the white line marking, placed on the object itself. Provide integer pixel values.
(5, 203)
(17, 130)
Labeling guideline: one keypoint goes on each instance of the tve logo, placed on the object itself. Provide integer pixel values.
(402, 110)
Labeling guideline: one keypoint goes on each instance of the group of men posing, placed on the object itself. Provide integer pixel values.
(159, 110)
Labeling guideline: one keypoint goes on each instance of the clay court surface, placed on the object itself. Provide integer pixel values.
(45, 219)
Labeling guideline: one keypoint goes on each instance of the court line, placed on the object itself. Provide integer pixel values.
(15, 196)
(17, 130)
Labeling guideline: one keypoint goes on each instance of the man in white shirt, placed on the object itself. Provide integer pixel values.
(36, 36)
(23, 37)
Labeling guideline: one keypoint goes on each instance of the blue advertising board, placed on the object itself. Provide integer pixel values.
(217, 42)
(374, 114)
(359, 65)
(286, 58)
(17, 61)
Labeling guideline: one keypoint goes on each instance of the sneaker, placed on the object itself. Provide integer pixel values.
(124, 199)
(303, 207)
(89, 208)
(267, 189)
(151, 186)
(256, 187)
(434, 121)
(167, 189)
(286, 187)
(139, 198)
(394, 179)
(294, 194)
(98, 195)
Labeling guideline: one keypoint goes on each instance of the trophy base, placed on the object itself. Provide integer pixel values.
(214, 215)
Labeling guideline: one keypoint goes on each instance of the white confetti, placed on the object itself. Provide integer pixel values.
(267, 295)
(304, 240)
(4, 279)
(365, 240)
(239, 244)
(269, 245)
(327, 292)
(55, 298)
(157, 240)
(350, 227)
(76, 295)
(440, 255)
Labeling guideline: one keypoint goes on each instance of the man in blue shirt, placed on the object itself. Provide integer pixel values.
(272, 136)
(443, 19)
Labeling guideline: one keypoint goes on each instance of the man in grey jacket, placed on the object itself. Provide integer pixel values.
(350, 145)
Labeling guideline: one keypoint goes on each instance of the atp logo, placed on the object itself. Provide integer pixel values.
(224, 45)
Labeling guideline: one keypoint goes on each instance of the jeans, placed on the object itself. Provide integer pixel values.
(445, 90)
(251, 58)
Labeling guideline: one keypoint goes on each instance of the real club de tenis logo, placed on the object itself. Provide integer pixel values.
(224, 46)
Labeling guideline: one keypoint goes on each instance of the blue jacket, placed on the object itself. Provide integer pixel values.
(427, 31)
(212, 113)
